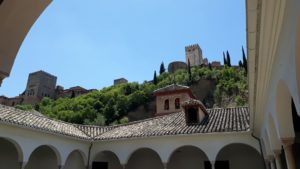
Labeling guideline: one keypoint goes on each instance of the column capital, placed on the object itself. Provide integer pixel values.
(288, 141)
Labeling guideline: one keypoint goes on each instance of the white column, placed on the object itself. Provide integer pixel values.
(212, 164)
(288, 151)
(165, 165)
(22, 165)
(277, 158)
(272, 163)
(267, 164)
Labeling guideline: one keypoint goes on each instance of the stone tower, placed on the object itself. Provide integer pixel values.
(194, 54)
(40, 84)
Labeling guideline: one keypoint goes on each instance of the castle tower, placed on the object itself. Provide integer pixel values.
(194, 54)
(40, 84)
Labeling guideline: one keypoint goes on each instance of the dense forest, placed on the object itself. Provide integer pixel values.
(111, 105)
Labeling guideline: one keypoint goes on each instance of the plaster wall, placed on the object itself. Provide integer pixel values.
(282, 83)
(160, 102)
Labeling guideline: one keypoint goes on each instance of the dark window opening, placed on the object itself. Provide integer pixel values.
(167, 104)
(177, 103)
(207, 165)
(1, 1)
(192, 115)
(100, 165)
(222, 165)
(13, 103)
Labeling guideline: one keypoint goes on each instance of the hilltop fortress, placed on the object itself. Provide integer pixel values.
(193, 54)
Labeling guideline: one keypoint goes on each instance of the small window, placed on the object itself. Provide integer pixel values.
(167, 104)
(177, 103)
(207, 165)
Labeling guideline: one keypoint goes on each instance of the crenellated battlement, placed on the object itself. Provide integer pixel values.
(193, 46)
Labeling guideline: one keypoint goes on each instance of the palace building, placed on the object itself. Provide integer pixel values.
(264, 135)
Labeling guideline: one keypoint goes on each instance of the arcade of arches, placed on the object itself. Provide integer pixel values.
(236, 155)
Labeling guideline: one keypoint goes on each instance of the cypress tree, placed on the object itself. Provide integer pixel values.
(241, 65)
(245, 62)
(189, 71)
(162, 68)
(209, 66)
(228, 59)
(224, 58)
(155, 78)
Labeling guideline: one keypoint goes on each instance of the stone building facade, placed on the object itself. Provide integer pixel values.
(120, 81)
(176, 65)
(71, 92)
(40, 84)
(193, 53)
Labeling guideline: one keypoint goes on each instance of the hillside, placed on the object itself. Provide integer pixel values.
(111, 105)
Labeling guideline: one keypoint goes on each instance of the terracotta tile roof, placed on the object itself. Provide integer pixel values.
(219, 120)
(171, 87)
(93, 131)
(27, 119)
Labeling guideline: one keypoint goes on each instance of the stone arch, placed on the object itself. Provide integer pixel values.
(11, 154)
(145, 158)
(108, 158)
(76, 160)
(284, 123)
(44, 156)
(238, 155)
(187, 157)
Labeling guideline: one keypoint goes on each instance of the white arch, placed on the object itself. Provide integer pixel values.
(83, 156)
(54, 149)
(182, 146)
(141, 148)
(17, 146)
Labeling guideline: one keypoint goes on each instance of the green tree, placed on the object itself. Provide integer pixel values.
(241, 64)
(224, 59)
(154, 78)
(245, 62)
(228, 59)
(162, 68)
(189, 72)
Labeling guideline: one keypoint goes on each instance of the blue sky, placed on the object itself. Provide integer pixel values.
(91, 43)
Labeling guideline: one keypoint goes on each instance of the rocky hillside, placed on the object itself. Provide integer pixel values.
(221, 87)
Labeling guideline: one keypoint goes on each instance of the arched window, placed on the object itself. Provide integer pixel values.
(167, 104)
(177, 103)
